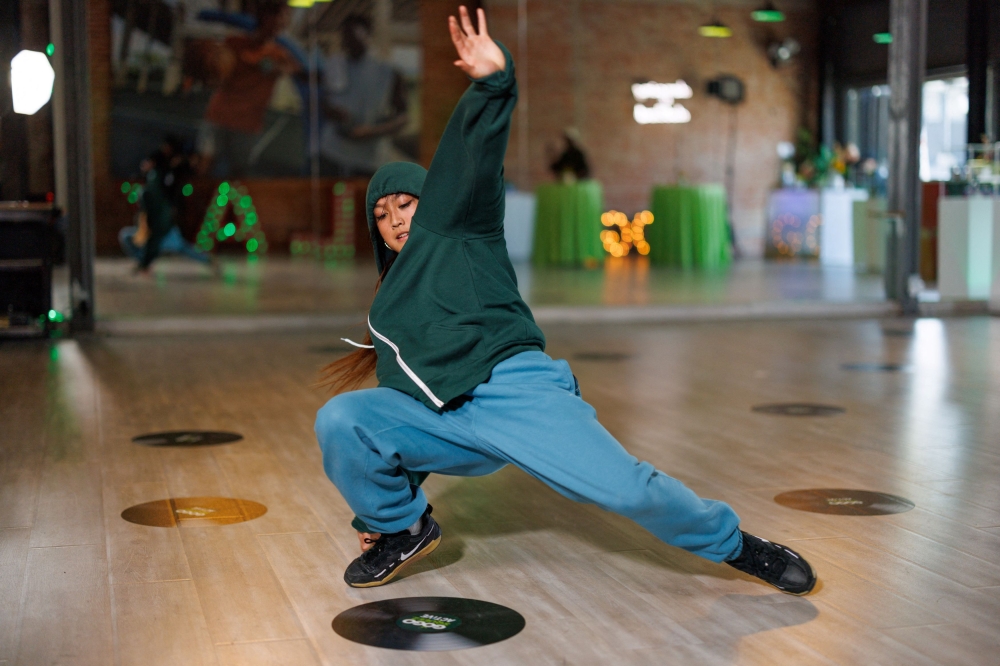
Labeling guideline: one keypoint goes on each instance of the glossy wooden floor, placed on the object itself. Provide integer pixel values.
(279, 285)
(79, 585)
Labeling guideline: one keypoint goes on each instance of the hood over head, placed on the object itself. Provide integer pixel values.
(391, 178)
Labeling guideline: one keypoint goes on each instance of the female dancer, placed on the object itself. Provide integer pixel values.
(464, 384)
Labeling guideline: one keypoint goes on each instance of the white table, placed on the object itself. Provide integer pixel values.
(968, 247)
(836, 235)
(519, 225)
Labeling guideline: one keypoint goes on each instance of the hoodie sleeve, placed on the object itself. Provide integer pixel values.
(464, 191)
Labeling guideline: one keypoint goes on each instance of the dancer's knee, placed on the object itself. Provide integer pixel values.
(633, 497)
(336, 421)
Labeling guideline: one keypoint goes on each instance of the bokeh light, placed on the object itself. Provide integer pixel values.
(630, 234)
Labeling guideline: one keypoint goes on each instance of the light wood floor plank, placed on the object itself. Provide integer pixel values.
(13, 564)
(310, 568)
(161, 624)
(951, 644)
(921, 587)
(67, 615)
(21, 460)
(953, 601)
(240, 596)
(269, 653)
(251, 470)
(842, 587)
(141, 554)
(69, 507)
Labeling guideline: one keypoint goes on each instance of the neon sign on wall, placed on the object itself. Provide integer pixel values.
(665, 108)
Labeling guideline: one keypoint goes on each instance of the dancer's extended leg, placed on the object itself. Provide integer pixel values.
(530, 415)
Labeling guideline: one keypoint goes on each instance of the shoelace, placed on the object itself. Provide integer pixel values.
(767, 559)
(371, 555)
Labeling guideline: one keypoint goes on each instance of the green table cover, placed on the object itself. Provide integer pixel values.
(689, 227)
(568, 224)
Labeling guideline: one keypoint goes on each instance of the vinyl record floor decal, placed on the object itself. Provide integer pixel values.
(187, 438)
(193, 512)
(799, 409)
(428, 623)
(844, 502)
(876, 367)
(602, 356)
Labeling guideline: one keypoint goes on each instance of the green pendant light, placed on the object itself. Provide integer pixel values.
(768, 14)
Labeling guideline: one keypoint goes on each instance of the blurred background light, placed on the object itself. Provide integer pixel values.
(31, 79)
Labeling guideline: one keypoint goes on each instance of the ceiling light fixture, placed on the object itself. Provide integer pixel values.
(768, 14)
(31, 79)
(715, 29)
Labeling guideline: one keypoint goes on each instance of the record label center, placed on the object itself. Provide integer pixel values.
(428, 622)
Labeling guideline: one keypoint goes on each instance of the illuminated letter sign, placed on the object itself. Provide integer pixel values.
(665, 108)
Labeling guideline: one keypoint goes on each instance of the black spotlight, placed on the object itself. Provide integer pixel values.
(728, 88)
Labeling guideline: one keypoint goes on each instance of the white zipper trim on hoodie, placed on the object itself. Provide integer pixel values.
(409, 373)
(357, 344)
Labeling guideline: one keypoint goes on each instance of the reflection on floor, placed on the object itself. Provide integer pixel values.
(277, 285)
(80, 585)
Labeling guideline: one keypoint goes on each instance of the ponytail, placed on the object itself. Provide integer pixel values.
(351, 371)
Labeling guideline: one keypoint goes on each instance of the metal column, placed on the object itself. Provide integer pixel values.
(977, 61)
(69, 34)
(907, 66)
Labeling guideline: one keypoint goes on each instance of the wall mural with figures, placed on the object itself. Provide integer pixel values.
(260, 89)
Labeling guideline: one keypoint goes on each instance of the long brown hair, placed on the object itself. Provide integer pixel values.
(351, 371)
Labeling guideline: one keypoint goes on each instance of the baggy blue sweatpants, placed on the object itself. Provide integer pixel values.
(528, 414)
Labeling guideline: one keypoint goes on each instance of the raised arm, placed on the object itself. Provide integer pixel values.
(464, 191)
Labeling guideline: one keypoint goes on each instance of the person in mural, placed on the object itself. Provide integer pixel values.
(247, 68)
(363, 102)
(568, 163)
(465, 386)
(166, 171)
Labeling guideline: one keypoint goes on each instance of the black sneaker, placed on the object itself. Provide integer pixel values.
(775, 564)
(391, 553)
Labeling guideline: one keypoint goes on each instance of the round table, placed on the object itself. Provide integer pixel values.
(568, 224)
(689, 227)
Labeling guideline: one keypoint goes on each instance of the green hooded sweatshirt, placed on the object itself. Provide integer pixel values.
(448, 309)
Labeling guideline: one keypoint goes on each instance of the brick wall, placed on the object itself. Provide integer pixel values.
(583, 56)
(442, 83)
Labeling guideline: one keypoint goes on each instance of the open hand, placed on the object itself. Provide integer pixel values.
(478, 55)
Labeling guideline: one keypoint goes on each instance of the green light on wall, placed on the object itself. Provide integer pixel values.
(251, 219)
(222, 200)
(126, 186)
(245, 201)
(768, 16)
(252, 245)
(133, 197)
(340, 188)
(223, 188)
(187, 190)
(55, 316)
(50, 49)
(229, 229)
(882, 37)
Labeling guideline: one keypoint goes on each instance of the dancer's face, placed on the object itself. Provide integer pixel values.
(393, 213)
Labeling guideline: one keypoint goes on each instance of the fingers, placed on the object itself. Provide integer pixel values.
(466, 21)
(457, 37)
(482, 22)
